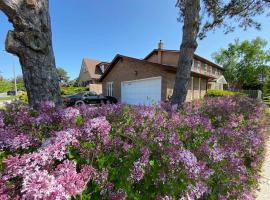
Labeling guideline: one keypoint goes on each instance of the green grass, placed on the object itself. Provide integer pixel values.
(8, 98)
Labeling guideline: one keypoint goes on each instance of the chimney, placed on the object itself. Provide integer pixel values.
(160, 48)
(160, 45)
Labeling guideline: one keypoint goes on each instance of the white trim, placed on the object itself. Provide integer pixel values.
(222, 80)
(192, 88)
(144, 79)
(200, 94)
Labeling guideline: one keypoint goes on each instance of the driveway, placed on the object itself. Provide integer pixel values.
(264, 193)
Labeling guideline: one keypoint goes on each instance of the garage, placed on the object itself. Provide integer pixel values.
(141, 92)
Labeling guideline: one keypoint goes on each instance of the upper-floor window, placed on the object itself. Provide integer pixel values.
(193, 65)
(102, 68)
(217, 71)
(198, 66)
(210, 69)
(214, 71)
(84, 68)
(204, 68)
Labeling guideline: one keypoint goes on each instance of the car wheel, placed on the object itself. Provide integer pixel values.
(79, 103)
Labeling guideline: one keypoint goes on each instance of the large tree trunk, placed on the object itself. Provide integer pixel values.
(188, 47)
(31, 41)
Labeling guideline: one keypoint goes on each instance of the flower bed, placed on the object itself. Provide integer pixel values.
(211, 149)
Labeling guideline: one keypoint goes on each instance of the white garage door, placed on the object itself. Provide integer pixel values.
(144, 91)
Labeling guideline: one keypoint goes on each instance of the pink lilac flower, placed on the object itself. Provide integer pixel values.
(195, 191)
(119, 195)
(41, 185)
(138, 170)
(166, 197)
(69, 114)
(99, 129)
(67, 176)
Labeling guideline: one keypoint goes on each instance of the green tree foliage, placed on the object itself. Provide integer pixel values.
(62, 75)
(5, 85)
(200, 16)
(246, 63)
(266, 88)
(19, 82)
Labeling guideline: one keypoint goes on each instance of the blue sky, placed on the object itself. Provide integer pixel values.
(100, 29)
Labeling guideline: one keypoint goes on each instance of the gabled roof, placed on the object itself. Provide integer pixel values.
(197, 57)
(118, 57)
(92, 67)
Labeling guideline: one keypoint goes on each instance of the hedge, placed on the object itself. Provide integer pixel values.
(221, 93)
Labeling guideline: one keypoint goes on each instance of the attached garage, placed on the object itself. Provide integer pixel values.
(143, 91)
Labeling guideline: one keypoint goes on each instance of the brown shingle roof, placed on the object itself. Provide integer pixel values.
(195, 56)
(91, 67)
(166, 67)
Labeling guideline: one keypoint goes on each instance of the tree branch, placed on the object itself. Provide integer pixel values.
(10, 7)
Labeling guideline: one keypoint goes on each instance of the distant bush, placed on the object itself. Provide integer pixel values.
(23, 97)
(72, 90)
(5, 86)
(222, 93)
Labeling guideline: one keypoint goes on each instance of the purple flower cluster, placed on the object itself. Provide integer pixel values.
(209, 148)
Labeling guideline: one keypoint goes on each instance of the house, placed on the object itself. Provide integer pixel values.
(149, 80)
(90, 73)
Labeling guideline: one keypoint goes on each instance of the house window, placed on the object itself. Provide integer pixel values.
(214, 71)
(192, 68)
(102, 68)
(84, 68)
(205, 68)
(110, 89)
(198, 66)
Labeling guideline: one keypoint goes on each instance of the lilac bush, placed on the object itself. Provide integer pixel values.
(210, 149)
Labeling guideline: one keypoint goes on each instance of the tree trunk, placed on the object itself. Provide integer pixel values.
(31, 41)
(188, 47)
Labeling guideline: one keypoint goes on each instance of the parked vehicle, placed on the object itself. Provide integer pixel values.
(87, 98)
(11, 93)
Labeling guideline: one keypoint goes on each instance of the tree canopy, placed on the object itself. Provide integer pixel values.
(62, 75)
(246, 63)
(200, 16)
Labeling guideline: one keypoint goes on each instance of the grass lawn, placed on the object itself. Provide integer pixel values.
(8, 98)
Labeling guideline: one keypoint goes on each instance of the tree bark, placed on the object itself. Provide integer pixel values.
(31, 41)
(188, 47)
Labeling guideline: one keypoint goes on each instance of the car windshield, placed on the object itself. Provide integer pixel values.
(76, 94)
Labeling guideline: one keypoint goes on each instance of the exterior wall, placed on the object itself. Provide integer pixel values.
(96, 88)
(128, 70)
(171, 58)
(196, 93)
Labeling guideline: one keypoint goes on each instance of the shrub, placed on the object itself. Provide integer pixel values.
(72, 90)
(210, 149)
(222, 93)
(23, 97)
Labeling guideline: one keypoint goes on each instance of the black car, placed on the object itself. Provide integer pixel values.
(11, 93)
(87, 98)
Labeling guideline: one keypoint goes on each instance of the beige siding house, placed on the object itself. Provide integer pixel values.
(91, 71)
(151, 80)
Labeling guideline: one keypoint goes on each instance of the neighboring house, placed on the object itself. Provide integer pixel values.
(91, 71)
(149, 80)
